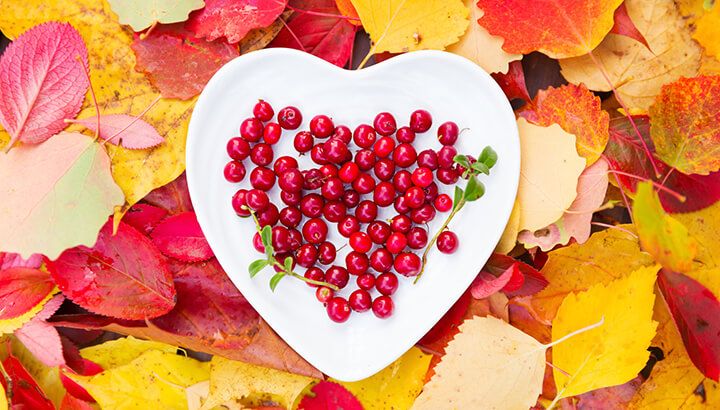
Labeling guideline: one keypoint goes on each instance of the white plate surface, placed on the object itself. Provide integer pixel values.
(448, 86)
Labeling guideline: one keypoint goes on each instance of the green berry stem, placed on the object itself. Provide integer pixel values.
(430, 244)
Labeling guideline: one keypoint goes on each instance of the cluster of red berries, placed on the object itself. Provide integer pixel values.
(346, 189)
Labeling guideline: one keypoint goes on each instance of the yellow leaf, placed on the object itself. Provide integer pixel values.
(232, 381)
(614, 352)
(673, 380)
(396, 385)
(3, 399)
(478, 45)
(48, 378)
(509, 237)
(488, 365)
(399, 26)
(707, 31)
(15, 323)
(636, 72)
(119, 88)
(704, 227)
(549, 172)
(608, 255)
(661, 235)
(122, 351)
(154, 380)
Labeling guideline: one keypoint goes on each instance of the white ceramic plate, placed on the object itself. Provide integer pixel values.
(448, 86)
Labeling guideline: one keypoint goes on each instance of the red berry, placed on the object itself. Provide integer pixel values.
(262, 178)
(338, 309)
(284, 163)
(261, 154)
(446, 157)
(291, 198)
(385, 123)
(360, 300)
(447, 176)
(323, 294)
(348, 226)
(381, 260)
(263, 111)
(366, 281)
(431, 192)
(343, 133)
(387, 283)
(364, 136)
(401, 223)
(420, 121)
(383, 307)
(289, 118)
(443, 203)
(402, 181)
(295, 239)
(334, 211)
(280, 239)
(272, 133)
(384, 169)
(313, 273)
(379, 231)
(303, 141)
(414, 197)
(238, 148)
(317, 154)
(384, 194)
(404, 155)
(365, 159)
(447, 242)
(351, 198)
(405, 135)
(366, 211)
(336, 151)
(332, 189)
(329, 170)
(407, 264)
(401, 205)
(422, 177)
(251, 130)
(360, 242)
(312, 205)
(357, 263)
(396, 242)
(257, 200)
(384, 147)
(326, 253)
(448, 133)
(315, 230)
(234, 171)
(306, 255)
(349, 172)
(257, 243)
(428, 159)
(239, 205)
(314, 179)
(322, 126)
(337, 275)
(290, 216)
(364, 184)
(423, 215)
(268, 216)
(291, 180)
(417, 237)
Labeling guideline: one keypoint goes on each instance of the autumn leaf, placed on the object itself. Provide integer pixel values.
(399, 383)
(180, 237)
(173, 197)
(398, 26)
(329, 395)
(578, 112)
(123, 275)
(486, 283)
(21, 289)
(532, 280)
(237, 381)
(684, 124)
(707, 30)
(661, 235)
(13, 260)
(316, 30)
(513, 82)
(59, 202)
(119, 89)
(233, 19)
(634, 71)
(172, 52)
(259, 38)
(486, 346)
(559, 29)
(119, 352)
(624, 26)
(124, 130)
(704, 228)
(346, 8)
(607, 256)
(41, 338)
(549, 172)
(481, 47)
(25, 391)
(42, 81)
(144, 217)
(142, 14)
(614, 352)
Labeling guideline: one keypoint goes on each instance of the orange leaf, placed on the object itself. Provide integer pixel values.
(346, 8)
(560, 28)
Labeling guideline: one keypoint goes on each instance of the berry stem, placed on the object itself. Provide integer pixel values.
(430, 244)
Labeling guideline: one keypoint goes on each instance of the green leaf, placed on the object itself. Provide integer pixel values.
(481, 167)
(288, 264)
(474, 189)
(257, 266)
(488, 157)
(266, 237)
(459, 193)
(462, 160)
(275, 280)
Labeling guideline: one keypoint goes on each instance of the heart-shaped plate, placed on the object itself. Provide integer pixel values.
(451, 88)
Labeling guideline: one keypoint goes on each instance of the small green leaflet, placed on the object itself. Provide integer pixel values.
(462, 160)
(488, 157)
(288, 264)
(275, 280)
(474, 189)
(266, 237)
(481, 167)
(459, 193)
(257, 266)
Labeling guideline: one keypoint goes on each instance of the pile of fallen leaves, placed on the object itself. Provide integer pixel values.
(602, 292)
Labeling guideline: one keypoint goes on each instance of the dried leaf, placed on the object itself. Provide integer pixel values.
(142, 14)
(124, 130)
(233, 19)
(180, 237)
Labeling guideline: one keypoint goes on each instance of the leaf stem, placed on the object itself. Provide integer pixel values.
(577, 332)
(136, 119)
(430, 244)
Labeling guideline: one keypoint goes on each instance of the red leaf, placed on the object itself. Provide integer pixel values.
(486, 284)
(123, 275)
(516, 280)
(450, 320)
(13, 260)
(178, 63)
(70, 402)
(328, 37)
(21, 289)
(233, 19)
(624, 26)
(513, 82)
(533, 283)
(89, 368)
(330, 396)
(42, 82)
(180, 237)
(144, 217)
(625, 153)
(696, 312)
(173, 197)
(125, 130)
(26, 394)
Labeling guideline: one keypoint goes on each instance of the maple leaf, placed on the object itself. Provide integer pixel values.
(684, 124)
(634, 71)
(42, 81)
(695, 311)
(329, 395)
(478, 45)
(170, 53)
(124, 130)
(559, 29)
(123, 275)
(325, 36)
(180, 237)
(549, 173)
(578, 112)
(486, 346)
(40, 211)
(25, 391)
(399, 26)
(661, 235)
(144, 217)
(399, 383)
(614, 352)
(142, 14)
(233, 19)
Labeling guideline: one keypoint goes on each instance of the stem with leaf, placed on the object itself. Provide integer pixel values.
(270, 260)
(473, 191)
